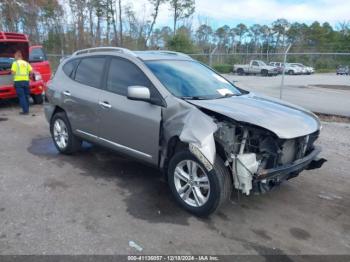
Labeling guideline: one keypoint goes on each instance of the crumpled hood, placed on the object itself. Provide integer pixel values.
(284, 119)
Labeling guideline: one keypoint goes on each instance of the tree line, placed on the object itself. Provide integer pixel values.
(68, 25)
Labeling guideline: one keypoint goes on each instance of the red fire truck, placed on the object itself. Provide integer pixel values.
(9, 44)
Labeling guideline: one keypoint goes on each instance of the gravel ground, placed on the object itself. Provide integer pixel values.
(95, 202)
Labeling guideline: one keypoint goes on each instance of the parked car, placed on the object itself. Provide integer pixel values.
(9, 44)
(307, 70)
(278, 65)
(292, 69)
(342, 70)
(256, 67)
(172, 112)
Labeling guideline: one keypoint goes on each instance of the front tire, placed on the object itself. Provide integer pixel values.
(264, 72)
(240, 71)
(196, 189)
(61, 132)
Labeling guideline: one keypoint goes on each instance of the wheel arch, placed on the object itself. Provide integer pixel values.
(174, 144)
(240, 70)
(56, 110)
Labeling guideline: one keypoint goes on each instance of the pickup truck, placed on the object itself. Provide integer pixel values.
(256, 67)
(9, 44)
(39, 62)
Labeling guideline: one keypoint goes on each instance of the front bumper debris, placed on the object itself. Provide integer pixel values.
(308, 162)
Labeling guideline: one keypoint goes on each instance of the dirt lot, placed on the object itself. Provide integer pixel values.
(95, 202)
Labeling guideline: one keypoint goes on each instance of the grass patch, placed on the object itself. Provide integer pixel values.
(325, 70)
(333, 118)
(223, 68)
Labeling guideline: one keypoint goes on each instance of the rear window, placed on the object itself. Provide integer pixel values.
(90, 71)
(69, 67)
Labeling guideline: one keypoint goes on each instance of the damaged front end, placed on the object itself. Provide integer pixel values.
(259, 160)
(257, 157)
(190, 126)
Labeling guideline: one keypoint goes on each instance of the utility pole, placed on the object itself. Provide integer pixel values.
(283, 72)
(211, 56)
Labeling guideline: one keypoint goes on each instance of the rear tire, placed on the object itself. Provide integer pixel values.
(290, 72)
(61, 132)
(264, 72)
(38, 99)
(198, 200)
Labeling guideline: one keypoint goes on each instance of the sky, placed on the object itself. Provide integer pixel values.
(232, 12)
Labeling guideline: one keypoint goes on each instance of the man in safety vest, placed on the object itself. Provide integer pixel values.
(21, 71)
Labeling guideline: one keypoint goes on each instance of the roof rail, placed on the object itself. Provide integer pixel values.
(166, 52)
(103, 49)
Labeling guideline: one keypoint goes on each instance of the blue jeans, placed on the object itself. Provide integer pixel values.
(22, 90)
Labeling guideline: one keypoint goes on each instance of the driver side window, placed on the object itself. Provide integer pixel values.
(255, 63)
(122, 74)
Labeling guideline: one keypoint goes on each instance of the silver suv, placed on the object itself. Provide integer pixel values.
(170, 111)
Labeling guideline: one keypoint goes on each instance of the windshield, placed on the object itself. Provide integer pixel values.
(37, 55)
(5, 63)
(191, 80)
(261, 63)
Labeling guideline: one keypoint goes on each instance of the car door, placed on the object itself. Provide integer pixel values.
(255, 67)
(81, 96)
(131, 127)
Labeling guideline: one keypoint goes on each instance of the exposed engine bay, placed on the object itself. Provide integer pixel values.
(252, 136)
(250, 151)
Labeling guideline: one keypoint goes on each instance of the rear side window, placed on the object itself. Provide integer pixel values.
(122, 74)
(90, 71)
(69, 67)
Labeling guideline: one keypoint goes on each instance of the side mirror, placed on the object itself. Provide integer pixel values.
(139, 93)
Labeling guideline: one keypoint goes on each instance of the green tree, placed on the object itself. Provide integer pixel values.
(180, 42)
(223, 34)
(156, 5)
(181, 9)
(280, 27)
(240, 30)
(203, 36)
(255, 33)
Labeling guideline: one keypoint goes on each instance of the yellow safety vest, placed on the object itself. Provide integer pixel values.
(21, 70)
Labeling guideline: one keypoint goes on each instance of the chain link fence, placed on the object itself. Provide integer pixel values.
(327, 91)
(323, 92)
(322, 62)
(54, 60)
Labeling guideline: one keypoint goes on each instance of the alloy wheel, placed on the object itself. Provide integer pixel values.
(192, 183)
(60, 133)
